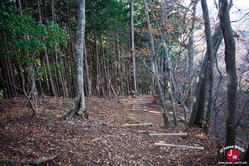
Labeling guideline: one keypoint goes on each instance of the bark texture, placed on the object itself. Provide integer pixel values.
(230, 60)
(78, 63)
(210, 61)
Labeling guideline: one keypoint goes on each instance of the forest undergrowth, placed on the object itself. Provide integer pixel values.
(103, 139)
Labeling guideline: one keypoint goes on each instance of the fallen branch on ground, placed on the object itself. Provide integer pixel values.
(35, 162)
(140, 124)
(169, 134)
(139, 109)
(180, 146)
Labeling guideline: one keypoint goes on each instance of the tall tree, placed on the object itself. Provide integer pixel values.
(201, 91)
(154, 67)
(230, 60)
(78, 63)
(210, 59)
(133, 49)
(190, 45)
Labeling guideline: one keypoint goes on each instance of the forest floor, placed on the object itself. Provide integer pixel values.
(103, 139)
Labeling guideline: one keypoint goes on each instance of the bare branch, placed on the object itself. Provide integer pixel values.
(241, 18)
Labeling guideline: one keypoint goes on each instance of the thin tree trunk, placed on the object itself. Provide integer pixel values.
(170, 90)
(154, 68)
(210, 61)
(230, 60)
(18, 4)
(69, 88)
(46, 55)
(120, 67)
(127, 71)
(39, 82)
(45, 81)
(12, 78)
(8, 72)
(39, 10)
(133, 49)
(190, 48)
(53, 12)
(97, 66)
(6, 78)
(107, 66)
(190, 45)
(71, 45)
(60, 75)
(103, 68)
(2, 77)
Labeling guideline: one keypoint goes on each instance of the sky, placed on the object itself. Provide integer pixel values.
(239, 9)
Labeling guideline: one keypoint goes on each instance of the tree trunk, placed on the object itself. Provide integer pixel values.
(127, 71)
(155, 69)
(88, 83)
(210, 62)
(53, 12)
(97, 66)
(79, 79)
(190, 45)
(69, 88)
(9, 71)
(230, 60)
(133, 49)
(71, 45)
(108, 79)
(18, 4)
(202, 98)
(190, 48)
(170, 90)
(105, 74)
(121, 76)
(6, 78)
(60, 76)
(120, 67)
(4, 85)
(201, 91)
(46, 55)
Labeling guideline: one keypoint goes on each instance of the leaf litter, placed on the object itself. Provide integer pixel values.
(100, 140)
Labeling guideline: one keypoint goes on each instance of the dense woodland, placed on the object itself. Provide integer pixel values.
(113, 49)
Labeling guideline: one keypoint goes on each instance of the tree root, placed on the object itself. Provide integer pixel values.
(77, 109)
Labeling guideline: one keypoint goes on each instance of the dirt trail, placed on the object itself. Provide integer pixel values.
(141, 110)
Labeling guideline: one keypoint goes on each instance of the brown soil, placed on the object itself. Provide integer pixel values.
(101, 140)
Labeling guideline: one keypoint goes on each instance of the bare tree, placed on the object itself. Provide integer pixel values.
(230, 60)
(210, 61)
(201, 91)
(154, 67)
